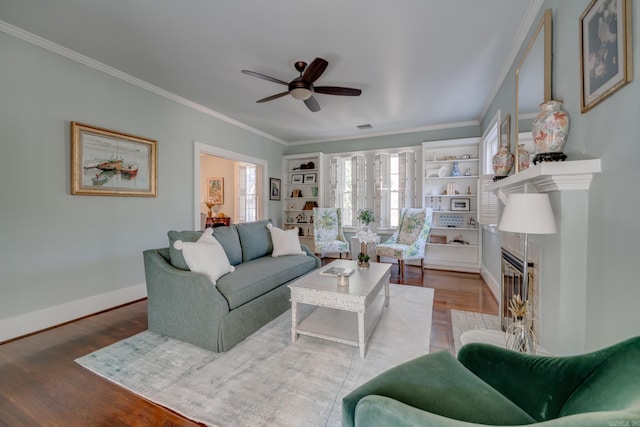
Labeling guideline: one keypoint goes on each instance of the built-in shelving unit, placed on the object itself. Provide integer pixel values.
(302, 189)
(455, 239)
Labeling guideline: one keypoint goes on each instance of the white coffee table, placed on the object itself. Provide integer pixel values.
(345, 314)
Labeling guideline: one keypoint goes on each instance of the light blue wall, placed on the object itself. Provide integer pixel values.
(57, 248)
(609, 131)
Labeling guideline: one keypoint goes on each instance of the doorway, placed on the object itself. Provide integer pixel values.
(244, 183)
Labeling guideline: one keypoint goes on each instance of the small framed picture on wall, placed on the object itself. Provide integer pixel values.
(274, 189)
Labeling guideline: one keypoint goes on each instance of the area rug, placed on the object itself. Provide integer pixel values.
(267, 380)
(462, 321)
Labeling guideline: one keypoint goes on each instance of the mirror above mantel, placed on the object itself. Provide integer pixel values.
(533, 78)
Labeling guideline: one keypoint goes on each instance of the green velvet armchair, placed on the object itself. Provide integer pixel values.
(489, 385)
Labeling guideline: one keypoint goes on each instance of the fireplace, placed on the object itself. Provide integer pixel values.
(512, 284)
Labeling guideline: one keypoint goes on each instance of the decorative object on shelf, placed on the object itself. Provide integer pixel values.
(301, 217)
(274, 192)
(450, 220)
(458, 240)
(308, 206)
(451, 189)
(296, 193)
(519, 335)
(460, 204)
(524, 158)
(438, 239)
(309, 178)
(550, 130)
(467, 172)
(468, 189)
(465, 156)
(297, 178)
(527, 213)
(442, 172)
(309, 165)
(314, 191)
(454, 170)
(109, 163)
(605, 50)
(502, 163)
(289, 219)
(472, 223)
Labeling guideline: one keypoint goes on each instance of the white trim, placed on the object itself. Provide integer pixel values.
(494, 285)
(390, 132)
(77, 57)
(27, 323)
(200, 148)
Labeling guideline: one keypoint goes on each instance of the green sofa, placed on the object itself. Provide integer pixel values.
(489, 385)
(187, 306)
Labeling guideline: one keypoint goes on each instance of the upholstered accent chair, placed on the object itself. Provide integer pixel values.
(409, 240)
(327, 232)
(491, 386)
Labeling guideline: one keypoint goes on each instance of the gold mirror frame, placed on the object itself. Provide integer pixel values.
(544, 30)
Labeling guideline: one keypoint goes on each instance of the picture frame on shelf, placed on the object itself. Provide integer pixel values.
(605, 50)
(309, 178)
(297, 178)
(274, 189)
(215, 190)
(438, 239)
(460, 204)
(110, 163)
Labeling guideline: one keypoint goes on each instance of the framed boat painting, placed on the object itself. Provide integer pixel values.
(109, 163)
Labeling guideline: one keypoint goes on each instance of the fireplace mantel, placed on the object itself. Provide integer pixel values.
(549, 176)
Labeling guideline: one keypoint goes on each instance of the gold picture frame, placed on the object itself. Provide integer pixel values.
(110, 163)
(605, 50)
(215, 190)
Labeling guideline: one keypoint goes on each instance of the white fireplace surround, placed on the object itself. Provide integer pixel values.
(562, 256)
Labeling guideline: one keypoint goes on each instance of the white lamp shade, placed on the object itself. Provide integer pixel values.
(528, 213)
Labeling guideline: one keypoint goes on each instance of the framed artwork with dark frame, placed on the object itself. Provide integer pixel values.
(274, 189)
(460, 204)
(215, 190)
(110, 163)
(297, 178)
(605, 50)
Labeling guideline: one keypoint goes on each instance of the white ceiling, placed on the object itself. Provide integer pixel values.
(420, 63)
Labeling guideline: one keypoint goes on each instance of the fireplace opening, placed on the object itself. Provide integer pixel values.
(512, 284)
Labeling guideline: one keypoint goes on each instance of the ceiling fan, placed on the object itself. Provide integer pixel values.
(302, 87)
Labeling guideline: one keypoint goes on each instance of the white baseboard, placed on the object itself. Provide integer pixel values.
(34, 321)
(493, 284)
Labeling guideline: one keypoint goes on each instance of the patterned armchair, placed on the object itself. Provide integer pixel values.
(409, 240)
(327, 231)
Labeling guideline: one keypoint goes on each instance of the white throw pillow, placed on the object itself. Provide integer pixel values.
(285, 242)
(206, 256)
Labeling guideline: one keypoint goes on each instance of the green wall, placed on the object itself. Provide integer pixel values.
(57, 248)
(603, 309)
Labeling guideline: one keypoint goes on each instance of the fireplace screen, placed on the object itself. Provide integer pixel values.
(512, 284)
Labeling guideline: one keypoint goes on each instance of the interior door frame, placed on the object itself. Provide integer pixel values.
(200, 148)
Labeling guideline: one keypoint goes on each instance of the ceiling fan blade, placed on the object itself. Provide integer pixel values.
(272, 97)
(314, 70)
(262, 76)
(312, 104)
(337, 90)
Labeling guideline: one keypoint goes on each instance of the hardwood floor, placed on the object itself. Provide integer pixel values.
(41, 385)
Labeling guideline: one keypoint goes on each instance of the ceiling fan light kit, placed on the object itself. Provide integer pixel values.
(302, 88)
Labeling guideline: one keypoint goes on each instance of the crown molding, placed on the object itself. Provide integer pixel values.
(28, 37)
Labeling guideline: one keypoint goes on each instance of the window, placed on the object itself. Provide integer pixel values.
(487, 200)
(387, 187)
(247, 193)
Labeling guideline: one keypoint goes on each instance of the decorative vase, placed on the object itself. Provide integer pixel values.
(520, 337)
(550, 130)
(502, 163)
(455, 171)
(363, 265)
(524, 159)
